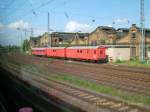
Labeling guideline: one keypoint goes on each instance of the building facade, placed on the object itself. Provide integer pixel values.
(34, 41)
(102, 35)
(80, 39)
(132, 37)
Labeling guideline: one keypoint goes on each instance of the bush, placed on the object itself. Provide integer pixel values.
(119, 61)
(134, 59)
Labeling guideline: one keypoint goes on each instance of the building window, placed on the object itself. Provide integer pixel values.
(93, 42)
(55, 40)
(133, 35)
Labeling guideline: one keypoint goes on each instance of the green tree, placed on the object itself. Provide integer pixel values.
(26, 45)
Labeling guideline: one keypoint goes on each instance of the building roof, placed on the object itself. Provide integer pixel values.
(123, 29)
(121, 32)
(35, 38)
(82, 35)
(107, 29)
(68, 35)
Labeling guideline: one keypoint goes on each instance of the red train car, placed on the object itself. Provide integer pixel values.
(39, 51)
(59, 52)
(95, 53)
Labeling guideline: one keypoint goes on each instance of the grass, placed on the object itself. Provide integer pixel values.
(127, 96)
(50, 60)
(134, 63)
(137, 99)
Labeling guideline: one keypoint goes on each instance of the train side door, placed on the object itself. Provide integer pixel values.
(102, 53)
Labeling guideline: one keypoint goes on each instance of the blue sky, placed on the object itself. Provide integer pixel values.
(66, 15)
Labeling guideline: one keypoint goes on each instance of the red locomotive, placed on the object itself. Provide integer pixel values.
(93, 53)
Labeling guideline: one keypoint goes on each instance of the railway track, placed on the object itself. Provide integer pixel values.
(125, 80)
(104, 78)
(88, 101)
(144, 72)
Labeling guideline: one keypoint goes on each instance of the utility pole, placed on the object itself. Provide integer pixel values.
(142, 31)
(48, 22)
(32, 32)
(25, 32)
(48, 30)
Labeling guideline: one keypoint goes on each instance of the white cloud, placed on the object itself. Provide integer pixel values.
(18, 24)
(109, 25)
(121, 21)
(38, 32)
(75, 26)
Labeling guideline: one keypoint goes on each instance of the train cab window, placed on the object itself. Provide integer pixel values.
(94, 51)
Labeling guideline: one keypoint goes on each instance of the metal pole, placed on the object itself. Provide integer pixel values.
(48, 22)
(142, 32)
(32, 32)
(48, 29)
(21, 40)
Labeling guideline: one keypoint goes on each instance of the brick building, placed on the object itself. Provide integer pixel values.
(34, 41)
(80, 39)
(132, 38)
(102, 35)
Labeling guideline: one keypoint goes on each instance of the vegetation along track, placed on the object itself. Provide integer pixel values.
(103, 77)
(103, 74)
(90, 101)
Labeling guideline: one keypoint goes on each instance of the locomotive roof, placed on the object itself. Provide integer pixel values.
(84, 47)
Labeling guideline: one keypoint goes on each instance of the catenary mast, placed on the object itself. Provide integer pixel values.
(142, 57)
